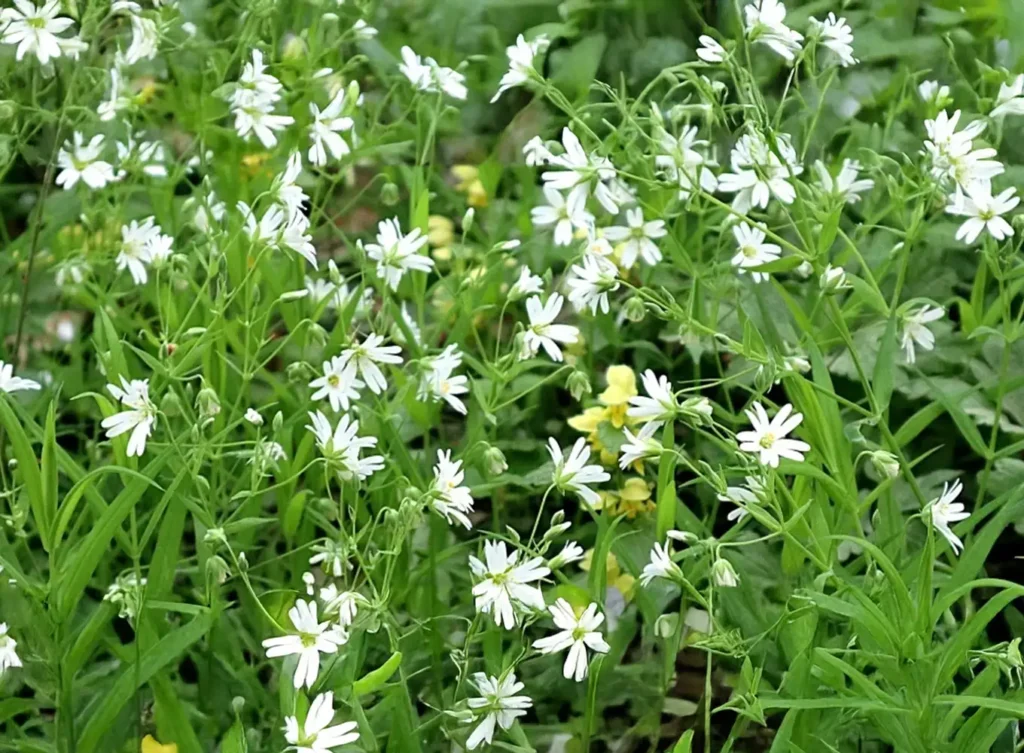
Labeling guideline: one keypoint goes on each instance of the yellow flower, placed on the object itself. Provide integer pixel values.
(588, 420)
(621, 387)
(440, 231)
(635, 498)
(614, 577)
(253, 164)
(150, 745)
(469, 183)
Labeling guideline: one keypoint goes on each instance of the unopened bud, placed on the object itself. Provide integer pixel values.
(389, 194)
(494, 460)
(887, 465)
(723, 574)
(635, 309)
(833, 280)
(467, 220)
(278, 421)
(578, 385)
(207, 403)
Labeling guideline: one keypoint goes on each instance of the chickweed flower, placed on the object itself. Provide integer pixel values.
(324, 132)
(1010, 100)
(396, 253)
(835, 35)
(8, 650)
(11, 383)
(660, 566)
(944, 511)
(758, 173)
(764, 22)
(543, 332)
(504, 584)
(590, 283)
(573, 473)
(81, 162)
(520, 63)
(317, 734)
(341, 447)
(449, 497)
(753, 250)
(576, 633)
(637, 238)
(768, 439)
(640, 446)
(915, 329)
(582, 174)
(710, 51)
(660, 402)
(723, 574)
(439, 382)
(310, 639)
(566, 214)
(846, 185)
(139, 419)
(338, 384)
(366, 355)
(34, 29)
(983, 210)
(527, 284)
(498, 706)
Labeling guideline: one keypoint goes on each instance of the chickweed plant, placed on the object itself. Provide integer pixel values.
(419, 376)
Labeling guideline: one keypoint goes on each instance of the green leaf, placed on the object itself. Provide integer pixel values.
(574, 68)
(885, 365)
(666, 503)
(28, 468)
(234, 740)
(48, 473)
(373, 681)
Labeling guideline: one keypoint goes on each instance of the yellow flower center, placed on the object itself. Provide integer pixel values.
(767, 440)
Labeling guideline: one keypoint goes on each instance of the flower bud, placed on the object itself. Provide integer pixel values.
(666, 625)
(253, 417)
(765, 377)
(833, 280)
(170, 405)
(243, 562)
(389, 194)
(294, 48)
(571, 552)
(217, 569)
(885, 463)
(578, 385)
(333, 274)
(318, 335)
(804, 270)
(635, 309)
(237, 704)
(207, 403)
(697, 409)
(215, 536)
(494, 461)
(467, 220)
(278, 421)
(723, 575)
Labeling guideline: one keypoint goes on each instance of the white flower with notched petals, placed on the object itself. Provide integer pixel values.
(681, 160)
(767, 439)
(287, 192)
(504, 584)
(764, 22)
(396, 254)
(916, 332)
(520, 63)
(344, 605)
(363, 31)
(277, 232)
(640, 446)
(527, 284)
(10, 383)
(310, 639)
(341, 447)
(836, 35)
(135, 252)
(82, 162)
(944, 511)
(331, 557)
(933, 93)
(1010, 100)
(439, 382)
(847, 185)
(139, 419)
(145, 40)
(339, 384)
(590, 283)
(660, 566)
(566, 214)
(637, 238)
(324, 132)
(366, 355)
(427, 75)
(535, 152)
(710, 51)
(34, 29)
(952, 152)
(759, 173)
(573, 474)
(117, 101)
(317, 734)
(257, 118)
(660, 404)
(743, 497)
(983, 210)
(576, 634)
(583, 174)
(8, 650)
(753, 251)
(449, 497)
(497, 706)
(543, 332)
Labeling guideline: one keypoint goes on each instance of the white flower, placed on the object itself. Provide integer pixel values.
(505, 584)
(710, 50)
(576, 634)
(565, 214)
(571, 552)
(139, 419)
(660, 403)
(638, 238)
(527, 284)
(276, 232)
(450, 498)
(341, 447)
(253, 100)
(944, 511)
(768, 440)
(753, 251)
(498, 704)
(288, 193)
(8, 650)
(363, 30)
(983, 210)
(833, 280)
(71, 272)
(836, 35)
(681, 162)
(396, 254)
(933, 92)
(582, 175)
(330, 556)
(338, 384)
(660, 566)
(543, 332)
(640, 446)
(915, 329)
(429, 76)
(764, 23)
(148, 157)
(257, 118)
(344, 604)
(117, 102)
(367, 355)
(208, 210)
(145, 40)
(438, 381)
(952, 152)
(325, 129)
(590, 283)
(1010, 100)
(573, 474)
(253, 416)
(846, 185)
(81, 162)
(34, 29)
(310, 639)
(137, 241)
(758, 173)
(11, 383)
(315, 735)
(535, 152)
(520, 63)
(742, 497)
